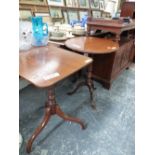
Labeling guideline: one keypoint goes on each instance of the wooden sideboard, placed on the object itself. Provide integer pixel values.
(107, 67)
(114, 26)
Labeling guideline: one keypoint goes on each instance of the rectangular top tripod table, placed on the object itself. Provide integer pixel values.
(44, 67)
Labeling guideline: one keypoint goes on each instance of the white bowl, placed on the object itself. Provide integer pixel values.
(78, 31)
(57, 34)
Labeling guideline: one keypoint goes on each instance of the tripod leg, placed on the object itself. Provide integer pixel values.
(38, 129)
(93, 104)
(61, 114)
(90, 86)
(80, 84)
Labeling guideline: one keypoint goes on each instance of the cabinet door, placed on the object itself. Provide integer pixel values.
(117, 62)
(126, 56)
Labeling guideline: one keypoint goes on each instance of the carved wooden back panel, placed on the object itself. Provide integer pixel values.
(128, 9)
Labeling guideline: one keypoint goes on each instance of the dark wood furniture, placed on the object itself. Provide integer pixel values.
(114, 26)
(95, 47)
(107, 67)
(128, 10)
(45, 67)
(90, 46)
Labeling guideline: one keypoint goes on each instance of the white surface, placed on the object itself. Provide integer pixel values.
(23, 83)
(58, 38)
(20, 140)
(54, 75)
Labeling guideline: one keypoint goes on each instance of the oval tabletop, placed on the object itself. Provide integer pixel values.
(92, 45)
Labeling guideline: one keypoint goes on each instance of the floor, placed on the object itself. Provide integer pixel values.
(110, 129)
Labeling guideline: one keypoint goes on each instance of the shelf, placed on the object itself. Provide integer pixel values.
(46, 8)
(75, 8)
(44, 5)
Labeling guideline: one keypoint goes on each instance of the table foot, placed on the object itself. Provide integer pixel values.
(51, 108)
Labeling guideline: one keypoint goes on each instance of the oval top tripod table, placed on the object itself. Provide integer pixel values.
(91, 46)
(44, 67)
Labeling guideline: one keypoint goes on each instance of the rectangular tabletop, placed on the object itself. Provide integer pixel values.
(45, 66)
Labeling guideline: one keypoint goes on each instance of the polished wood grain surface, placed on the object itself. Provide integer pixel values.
(114, 26)
(107, 67)
(111, 23)
(45, 66)
(128, 9)
(92, 45)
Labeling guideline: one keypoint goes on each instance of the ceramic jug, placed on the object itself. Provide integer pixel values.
(39, 32)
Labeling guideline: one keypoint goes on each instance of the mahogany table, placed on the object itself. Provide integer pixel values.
(91, 46)
(45, 67)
